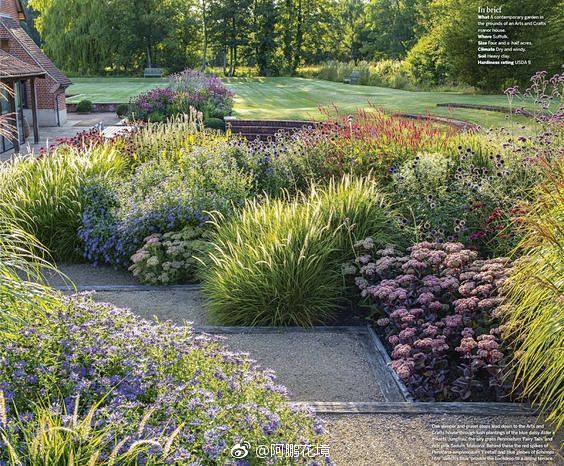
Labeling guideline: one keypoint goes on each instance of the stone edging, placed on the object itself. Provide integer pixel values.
(419, 408)
(493, 108)
(398, 399)
(459, 124)
(126, 288)
(386, 362)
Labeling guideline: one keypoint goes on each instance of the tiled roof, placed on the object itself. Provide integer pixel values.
(12, 67)
(19, 34)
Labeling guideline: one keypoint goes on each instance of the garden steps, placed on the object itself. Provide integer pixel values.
(264, 129)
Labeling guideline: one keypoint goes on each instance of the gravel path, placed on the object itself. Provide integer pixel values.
(389, 440)
(86, 274)
(178, 305)
(314, 366)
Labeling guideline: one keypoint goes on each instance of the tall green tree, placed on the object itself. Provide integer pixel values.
(391, 27)
(230, 24)
(264, 36)
(124, 35)
(452, 33)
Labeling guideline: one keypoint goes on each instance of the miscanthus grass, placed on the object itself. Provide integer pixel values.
(23, 261)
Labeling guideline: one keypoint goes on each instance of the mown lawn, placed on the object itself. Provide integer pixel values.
(110, 90)
(299, 98)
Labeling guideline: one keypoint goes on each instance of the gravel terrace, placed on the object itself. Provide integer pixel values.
(86, 275)
(327, 366)
(314, 366)
(406, 440)
(178, 305)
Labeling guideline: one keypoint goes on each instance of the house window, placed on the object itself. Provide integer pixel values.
(5, 45)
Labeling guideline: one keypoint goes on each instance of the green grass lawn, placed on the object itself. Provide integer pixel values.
(298, 98)
(110, 90)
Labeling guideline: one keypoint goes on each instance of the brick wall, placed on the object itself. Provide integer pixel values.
(45, 96)
(11, 8)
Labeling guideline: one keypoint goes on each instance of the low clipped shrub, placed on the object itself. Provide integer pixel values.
(437, 309)
(278, 262)
(122, 110)
(533, 308)
(215, 123)
(88, 380)
(170, 258)
(49, 192)
(84, 106)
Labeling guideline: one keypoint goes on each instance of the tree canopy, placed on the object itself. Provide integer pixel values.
(437, 37)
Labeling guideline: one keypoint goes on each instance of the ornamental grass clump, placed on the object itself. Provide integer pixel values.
(534, 305)
(437, 308)
(49, 191)
(23, 261)
(87, 383)
(277, 262)
(50, 438)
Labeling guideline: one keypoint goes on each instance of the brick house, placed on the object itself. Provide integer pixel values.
(34, 88)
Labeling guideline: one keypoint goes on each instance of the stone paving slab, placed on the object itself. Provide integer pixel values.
(389, 440)
(314, 366)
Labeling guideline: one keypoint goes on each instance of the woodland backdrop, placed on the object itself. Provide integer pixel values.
(435, 40)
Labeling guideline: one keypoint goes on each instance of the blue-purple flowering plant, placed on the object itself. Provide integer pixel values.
(156, 101)
(183, 396)
(165, 194)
